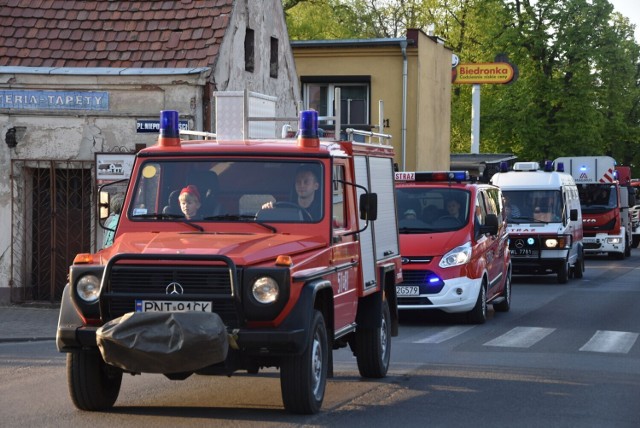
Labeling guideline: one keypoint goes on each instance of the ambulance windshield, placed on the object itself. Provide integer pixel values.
(533, 206)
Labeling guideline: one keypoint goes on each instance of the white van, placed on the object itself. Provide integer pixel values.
(544, 219)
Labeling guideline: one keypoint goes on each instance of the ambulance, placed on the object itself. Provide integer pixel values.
(453, 243)
(544, 219)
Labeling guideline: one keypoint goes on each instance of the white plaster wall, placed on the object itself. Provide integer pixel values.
(78, 135)
(229, 71)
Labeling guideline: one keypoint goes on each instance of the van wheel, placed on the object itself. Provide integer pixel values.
(93, 384)
(627, 250)
(303, 378)
(505, 304)
(478, 315)
(563, 273)
(578, 268)
(373, 347)
(635, 241)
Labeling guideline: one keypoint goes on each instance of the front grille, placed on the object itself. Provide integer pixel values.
(591, 245)
(421, 278)
(128, 283)
(423, 301)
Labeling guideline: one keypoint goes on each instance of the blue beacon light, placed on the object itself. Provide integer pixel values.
(169, 128)
(308, 126)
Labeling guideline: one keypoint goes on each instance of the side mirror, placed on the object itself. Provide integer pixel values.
(369, 206)
(103, 205)
(573, 214)
(490, 225)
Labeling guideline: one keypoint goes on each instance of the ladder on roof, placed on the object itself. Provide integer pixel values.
(382, 138)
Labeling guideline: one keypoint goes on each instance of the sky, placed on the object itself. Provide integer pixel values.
(630, 9)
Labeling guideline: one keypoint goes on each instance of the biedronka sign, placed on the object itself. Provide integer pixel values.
(493, 72)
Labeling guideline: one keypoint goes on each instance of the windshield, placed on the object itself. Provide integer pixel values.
(422, 210)
(526, 206)
(228, 190)
(597, 196)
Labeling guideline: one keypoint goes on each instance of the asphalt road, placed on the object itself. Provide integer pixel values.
(566, 355)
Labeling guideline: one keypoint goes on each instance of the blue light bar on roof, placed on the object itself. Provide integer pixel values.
(169, 126)
(432, 176)
(548, 166)
(560, 167)
(308, 124)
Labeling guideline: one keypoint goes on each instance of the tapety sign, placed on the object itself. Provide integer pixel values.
(53, 100)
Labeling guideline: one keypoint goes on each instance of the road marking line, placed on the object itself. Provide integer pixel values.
(619, 342)
(521, 337)
(446, 334)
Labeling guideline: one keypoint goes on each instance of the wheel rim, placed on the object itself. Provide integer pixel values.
(383, 338)
(316, 366)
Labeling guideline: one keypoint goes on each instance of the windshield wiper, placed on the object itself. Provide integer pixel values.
(416, 230)
(241, 217)
(158, 216)
(163, 216)
(524, 220)
(232, 217)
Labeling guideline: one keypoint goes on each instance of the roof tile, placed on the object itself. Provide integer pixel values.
(93, 33)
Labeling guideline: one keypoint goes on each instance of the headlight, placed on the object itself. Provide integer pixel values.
(458, 256)
(265, 290)
(551, 243)
(614, 240)
(88, 288)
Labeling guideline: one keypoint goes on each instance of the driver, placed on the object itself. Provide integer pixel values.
(307, 184)
(453, 209)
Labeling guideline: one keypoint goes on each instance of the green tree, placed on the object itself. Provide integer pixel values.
(578, 86)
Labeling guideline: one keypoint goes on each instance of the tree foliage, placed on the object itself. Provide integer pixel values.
(578, 86)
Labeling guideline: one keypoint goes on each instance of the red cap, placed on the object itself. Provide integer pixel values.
(192, 190)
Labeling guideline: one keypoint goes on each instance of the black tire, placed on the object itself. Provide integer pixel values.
(303, 378)
(563, 273)
(635, 240)
(627, 250)
(93, 384)
(505, 305)
(578, 268)
(478, 315)
(373, 347)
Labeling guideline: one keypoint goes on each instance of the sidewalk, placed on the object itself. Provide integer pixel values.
(20, 323)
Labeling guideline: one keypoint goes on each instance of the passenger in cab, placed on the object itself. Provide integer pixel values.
(190, 202)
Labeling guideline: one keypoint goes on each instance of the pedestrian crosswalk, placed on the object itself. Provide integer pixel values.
(603, 341)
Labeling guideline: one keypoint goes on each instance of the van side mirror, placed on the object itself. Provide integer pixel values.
(369, 206)
(573, 214)
(490, 225)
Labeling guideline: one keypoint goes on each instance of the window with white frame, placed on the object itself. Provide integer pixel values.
(354, 100)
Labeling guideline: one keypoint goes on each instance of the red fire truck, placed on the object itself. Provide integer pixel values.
(604, 203)
(256, 279)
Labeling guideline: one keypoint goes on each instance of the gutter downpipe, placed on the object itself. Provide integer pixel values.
(403, 47)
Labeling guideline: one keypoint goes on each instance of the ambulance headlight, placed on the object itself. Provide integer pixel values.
(265, 290)
(551, 243)
(614, 240)
(456, 257)
(88, 288)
